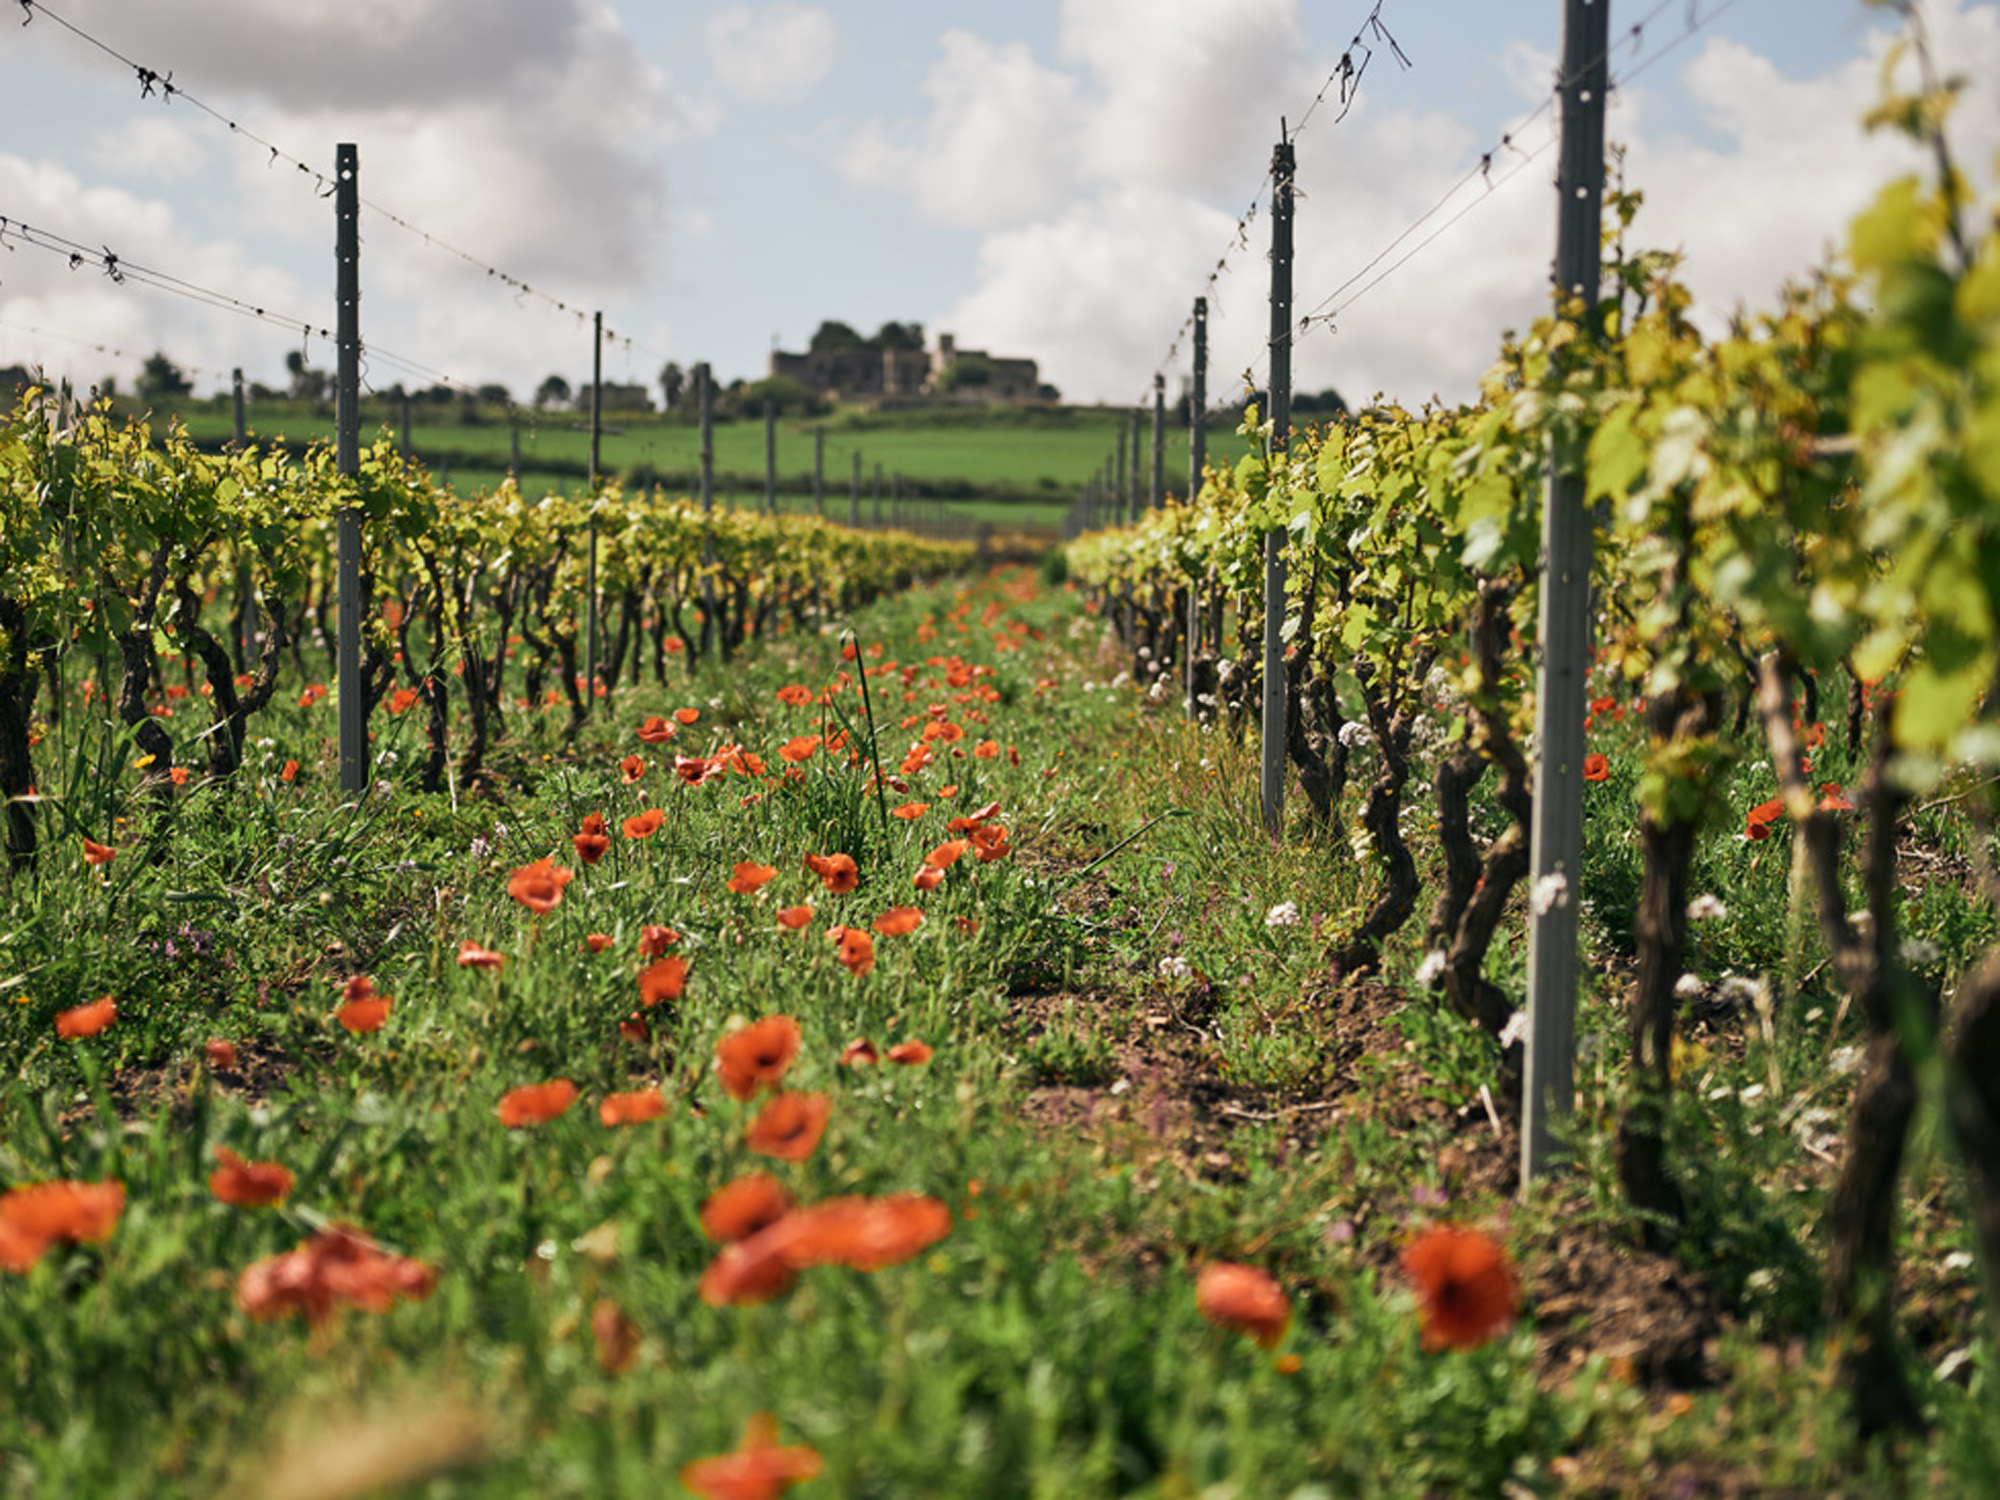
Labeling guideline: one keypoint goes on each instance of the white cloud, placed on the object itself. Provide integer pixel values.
(775, 53)
(71, 310)
(1185, 92)
(149, 147)
(997, 148)
(1098, 286)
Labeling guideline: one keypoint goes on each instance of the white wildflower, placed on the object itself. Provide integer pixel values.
(1844, 1060)
(1920, 951)
(1284, 914)
(1354, 734)
(1121, 679)
(1707, 908)
(1734, 989)
(1516, 1029)
(479, 848)
(1549, 892)
(386, 758)
(1432, 966)
(1689, 987)
(1958, 1260)
(1173, 966)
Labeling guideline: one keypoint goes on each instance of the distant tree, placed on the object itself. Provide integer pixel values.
(788, 398)
(831, 337)
(496, 395)
(1048, 393)
(899, 336)
(553, 391)
(108, 386)
(673, 380)
(160, 376)
(308, 384)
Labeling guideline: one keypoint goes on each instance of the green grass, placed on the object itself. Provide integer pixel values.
(1023, 461)
(1138, 1069)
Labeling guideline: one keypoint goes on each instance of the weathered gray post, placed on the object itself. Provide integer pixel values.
(705, 407)
(1159, 441)
(1118, 481)
(1272, 781)
(353, 726)
(1561, 690)
(770, 458)
(819, 471)
(590, 567)
(1197, 459)
(1132, 422)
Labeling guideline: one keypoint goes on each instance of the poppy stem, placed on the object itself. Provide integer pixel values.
(874, 755)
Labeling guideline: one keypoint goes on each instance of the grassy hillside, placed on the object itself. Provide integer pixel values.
(1031, 462)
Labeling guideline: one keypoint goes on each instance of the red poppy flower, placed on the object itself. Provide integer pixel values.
(87, 1019)
(248, 1184)
(1466, 1291)
(756, 1056)
(909, 812)
(663, 980)
(635, 1030)
(654, 941)
(866, 1234)
(917, 759)
(798, 749)
(42, 1214)
(634, 1108)
(402, 699)
(645, 824)
(795, 917)
(927, 878)
(536, 1103)
(1245, 1297)
(362, 1008)
(966, 925)
(898, 921)
(290, 772)
(539, 886)
(986, 749)
(472, 956)
(1596, 767)
(338, 1267)
(859, 1053)
(221, 1053)
(749, 875)
(688, 715)
(790, 1126)
(946, 854)
(741, 1208)
(744, 1273)
(837, 872)
(632, 769)
(591, 840)
(695, 769)
(1763, 816)
(911, 1052)
(857, 949)
(795, 695)
(656, 731)
(95, 853)
(989, 842)
(1833, 799)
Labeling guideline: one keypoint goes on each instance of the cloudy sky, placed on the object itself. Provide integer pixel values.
(1051, 178)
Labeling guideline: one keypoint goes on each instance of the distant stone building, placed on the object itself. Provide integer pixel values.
(944, 373)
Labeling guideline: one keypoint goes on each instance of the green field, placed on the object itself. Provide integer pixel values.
(1026, 467)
